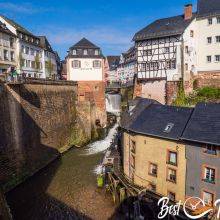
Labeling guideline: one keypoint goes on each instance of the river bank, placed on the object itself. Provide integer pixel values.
(66, 189)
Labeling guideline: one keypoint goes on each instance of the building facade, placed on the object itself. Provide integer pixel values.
(129, 63)
(85, 64)
(110, 69)
(172, 151)
(49, 65)
(179, 48)
(7, 49)
(30, 54)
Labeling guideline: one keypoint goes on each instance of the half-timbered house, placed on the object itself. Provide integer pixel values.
(165, 55)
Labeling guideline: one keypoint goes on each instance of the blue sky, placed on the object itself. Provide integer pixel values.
(109, 24)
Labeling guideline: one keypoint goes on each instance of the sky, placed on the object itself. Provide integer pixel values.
(110, 24)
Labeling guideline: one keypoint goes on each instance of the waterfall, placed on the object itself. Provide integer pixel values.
(102, 145)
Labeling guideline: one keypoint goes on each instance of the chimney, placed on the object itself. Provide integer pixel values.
(188, 12)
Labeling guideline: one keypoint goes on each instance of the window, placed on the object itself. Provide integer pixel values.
(96, 52)
(74, 52)
(147, 52)
(152, 187)
(22, 49)
(32, 64)
(168, 128)
(210, 21)
(6, 55)
(28, 63)
(76, 64)
(96, 64)
(217, 39)
(32, 51)
(133, 147)
(154, 65)
(209, 59)
(11, 42)
(186, 49)
(208, 198)
(217, 58)
(12, 56)
(27, 50)
(152, 169)
(171, 64)
(171, 196)
(172, 158)
(211, 149)
(218, 20)
(166, 50)
(209, 175)
(186, 67)
(171, 175)
(209, 40)
(143, 67)
(85, 52)
(191, 33)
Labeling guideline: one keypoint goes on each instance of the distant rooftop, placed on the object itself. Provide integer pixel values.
(208, 8)
(164, 27)
(17, 26)
(84, 43)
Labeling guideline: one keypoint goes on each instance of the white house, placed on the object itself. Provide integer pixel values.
(208, 36)
(31, 52)
(85, 62)
(49, 57)
(28, 50)
(7, 49)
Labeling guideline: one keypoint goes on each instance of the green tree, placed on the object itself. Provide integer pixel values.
(49, 67)
(20, 61)
(37, 63)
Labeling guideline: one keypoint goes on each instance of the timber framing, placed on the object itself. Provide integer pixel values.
(157, 56)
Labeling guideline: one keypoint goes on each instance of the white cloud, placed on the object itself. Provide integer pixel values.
(26, 8)
(108, 38)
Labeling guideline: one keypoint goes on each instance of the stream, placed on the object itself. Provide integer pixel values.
(66, 189)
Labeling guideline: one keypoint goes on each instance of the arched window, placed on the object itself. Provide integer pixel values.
(96, 64)
(76, 64)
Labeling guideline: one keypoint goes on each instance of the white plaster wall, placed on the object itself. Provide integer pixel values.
(190, 58)
(86, 72)
(155, 90)
(205, 49)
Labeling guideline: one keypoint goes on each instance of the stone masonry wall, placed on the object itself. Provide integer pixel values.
(203, 79)
(36, 121)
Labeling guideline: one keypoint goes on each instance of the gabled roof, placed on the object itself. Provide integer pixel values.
(164, 27)
(162, 121)
(5, 30)
(204, 125)
(17, 26)
(208, 8)
(84, 43)
(45, 44)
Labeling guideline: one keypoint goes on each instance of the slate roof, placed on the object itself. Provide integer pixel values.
(208, 8)
(84, 43)
(113, 61)
(45, 44)
(136, 106)
(164, 27)
(17, 26)
(204, 125)
(154, 119)
(5, 30)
